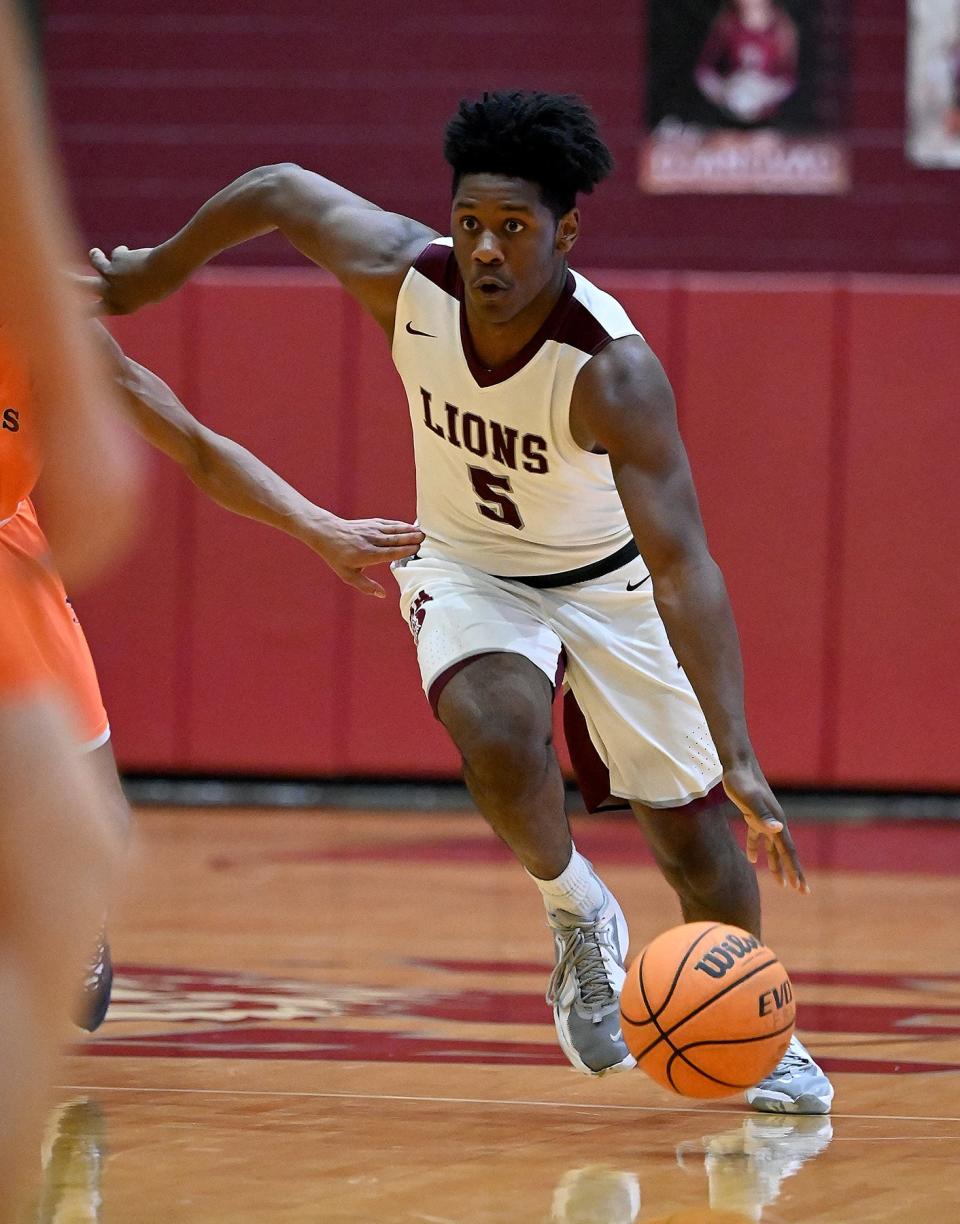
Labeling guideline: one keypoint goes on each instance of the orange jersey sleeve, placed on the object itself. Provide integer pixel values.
(19, 446)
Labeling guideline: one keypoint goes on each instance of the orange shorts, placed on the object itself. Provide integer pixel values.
(42, 643)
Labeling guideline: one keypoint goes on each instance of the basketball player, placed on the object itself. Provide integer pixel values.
(562, 530)
(228, 474)
(58, 852)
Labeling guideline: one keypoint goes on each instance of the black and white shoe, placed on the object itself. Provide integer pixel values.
(94, 998)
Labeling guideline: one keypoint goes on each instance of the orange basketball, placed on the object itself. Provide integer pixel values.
(707, 1010)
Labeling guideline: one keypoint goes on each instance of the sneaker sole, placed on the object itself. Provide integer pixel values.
(779, 1103)
(626, 1064)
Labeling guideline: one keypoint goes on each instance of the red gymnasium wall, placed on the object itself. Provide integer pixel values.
(158, 103)
(821, 418)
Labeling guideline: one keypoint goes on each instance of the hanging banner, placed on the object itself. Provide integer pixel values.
(745, 96)
(933, 83)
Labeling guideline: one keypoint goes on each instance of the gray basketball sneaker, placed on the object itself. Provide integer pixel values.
(584, 988)
(795, 1086)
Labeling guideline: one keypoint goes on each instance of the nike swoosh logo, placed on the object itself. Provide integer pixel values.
(414, 332)
(633, 586)
(617, 1036)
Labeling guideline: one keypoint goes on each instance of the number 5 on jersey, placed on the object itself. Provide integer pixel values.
(493, 504)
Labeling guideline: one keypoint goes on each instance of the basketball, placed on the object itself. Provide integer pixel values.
(707, 1010)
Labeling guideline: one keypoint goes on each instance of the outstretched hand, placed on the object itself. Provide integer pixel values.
(127, 280)
(350, 546)
(748, 789)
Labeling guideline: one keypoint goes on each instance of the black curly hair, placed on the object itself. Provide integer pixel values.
(547, 139)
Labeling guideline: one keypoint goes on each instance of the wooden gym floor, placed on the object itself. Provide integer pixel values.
(338, 1017)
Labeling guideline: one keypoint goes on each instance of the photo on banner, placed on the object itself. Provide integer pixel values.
(933, 83)
(745, 96)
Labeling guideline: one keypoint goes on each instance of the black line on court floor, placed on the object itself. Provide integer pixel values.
(435, 795)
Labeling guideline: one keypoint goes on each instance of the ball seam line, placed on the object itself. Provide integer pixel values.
(665, 1034)
(681, 1053)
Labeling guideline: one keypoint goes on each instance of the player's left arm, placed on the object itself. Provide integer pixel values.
(237, 480)
(623, 404)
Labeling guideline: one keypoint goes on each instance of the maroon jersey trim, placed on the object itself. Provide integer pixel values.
(437, 264)
(548, 330)
(569, 322)
(580, 329)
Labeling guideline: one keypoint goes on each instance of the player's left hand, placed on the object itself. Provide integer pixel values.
(349, 546)
(748, 789)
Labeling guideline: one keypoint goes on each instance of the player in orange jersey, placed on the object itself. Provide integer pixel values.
(58, 852)
(58, 858)
(230, 475)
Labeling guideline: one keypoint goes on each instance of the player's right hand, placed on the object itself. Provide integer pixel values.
(766, 824)
(349, 546)
(127, 280)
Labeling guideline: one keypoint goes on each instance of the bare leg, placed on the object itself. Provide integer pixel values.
(58, 855)
(497, 711)
(93, 1000)
(104, 766)
(703, 864)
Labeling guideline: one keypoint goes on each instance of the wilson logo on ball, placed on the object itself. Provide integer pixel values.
(724, 955)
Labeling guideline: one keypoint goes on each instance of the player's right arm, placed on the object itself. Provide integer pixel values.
(240, 482)
(623, 405)
(368, 250)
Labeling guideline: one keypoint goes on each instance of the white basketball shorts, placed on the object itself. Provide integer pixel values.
(622, 680)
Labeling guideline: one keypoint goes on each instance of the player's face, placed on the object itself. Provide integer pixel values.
(508, 245)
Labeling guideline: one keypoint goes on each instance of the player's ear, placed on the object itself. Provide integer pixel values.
(568, 230)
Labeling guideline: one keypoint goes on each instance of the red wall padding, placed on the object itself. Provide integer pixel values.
(756, 393)
(820, 416)
(898, 578)
(267, 623)
(136, 620)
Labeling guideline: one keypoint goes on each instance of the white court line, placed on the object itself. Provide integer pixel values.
(438, 1100)
(894, 1138)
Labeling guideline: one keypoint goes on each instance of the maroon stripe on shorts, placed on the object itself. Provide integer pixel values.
(593, 777)
(441, 682)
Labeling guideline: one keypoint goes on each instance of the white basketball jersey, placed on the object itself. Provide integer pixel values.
(501, 483)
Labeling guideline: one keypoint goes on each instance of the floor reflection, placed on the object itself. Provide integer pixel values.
(596, 1194)
(702, 1215)
(72, 1156)
(747, 1166)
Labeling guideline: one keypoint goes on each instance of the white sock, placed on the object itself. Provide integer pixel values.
(576, 889)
